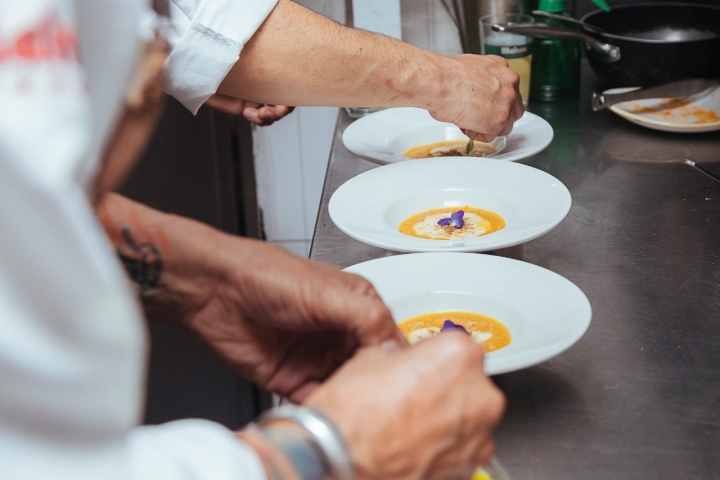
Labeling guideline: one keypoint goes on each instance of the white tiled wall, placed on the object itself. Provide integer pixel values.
(290, 160)
(425, 23)
(291, 156)
(381, 16)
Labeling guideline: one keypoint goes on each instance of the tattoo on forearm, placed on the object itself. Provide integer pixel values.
(143, 263)
(142, 259)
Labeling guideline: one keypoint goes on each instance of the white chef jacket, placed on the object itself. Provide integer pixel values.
(72, 338)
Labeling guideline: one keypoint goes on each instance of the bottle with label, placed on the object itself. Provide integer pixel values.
(556, 61)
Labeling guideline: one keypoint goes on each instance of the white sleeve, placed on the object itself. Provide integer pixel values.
(72, 340)
(210, 35)
(190, 449)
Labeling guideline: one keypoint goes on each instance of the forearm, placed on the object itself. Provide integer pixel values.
(301, 58)
(174, 261)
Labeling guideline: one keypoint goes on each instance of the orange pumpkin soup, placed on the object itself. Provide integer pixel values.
(450, 148)
(487, 331)
(476, 223)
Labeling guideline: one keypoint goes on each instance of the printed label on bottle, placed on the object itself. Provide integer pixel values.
(506, 51)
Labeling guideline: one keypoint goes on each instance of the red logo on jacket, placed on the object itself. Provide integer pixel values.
(49, 40)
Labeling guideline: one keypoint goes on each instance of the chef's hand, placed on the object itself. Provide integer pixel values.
(257, 113)
(301, 58)
(283, 322)
(482, 96)
(425, 412)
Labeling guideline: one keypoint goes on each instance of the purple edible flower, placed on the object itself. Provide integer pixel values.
(449, 326)
(455, 220)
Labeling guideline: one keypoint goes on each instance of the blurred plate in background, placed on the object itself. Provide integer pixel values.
(693, 114)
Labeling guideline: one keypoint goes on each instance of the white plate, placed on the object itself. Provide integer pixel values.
(544, 312)
(384, 136)
(694, 114)
(371, 206)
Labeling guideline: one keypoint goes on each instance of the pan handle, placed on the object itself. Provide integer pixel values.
(555, 16)
(608, 53)
(564, 18)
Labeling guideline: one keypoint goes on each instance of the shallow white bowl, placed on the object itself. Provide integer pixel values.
(545, 313)
(371, 206)
(672, 114)
(384, 136)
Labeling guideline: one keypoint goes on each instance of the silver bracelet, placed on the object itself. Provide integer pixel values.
(304, 455)
(337, 461)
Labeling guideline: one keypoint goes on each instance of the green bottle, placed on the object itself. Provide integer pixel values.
(556, 62)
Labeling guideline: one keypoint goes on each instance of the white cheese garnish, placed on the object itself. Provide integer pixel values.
(422, 333)
(480, 337)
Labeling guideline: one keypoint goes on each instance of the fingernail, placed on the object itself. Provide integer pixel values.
(250, 113)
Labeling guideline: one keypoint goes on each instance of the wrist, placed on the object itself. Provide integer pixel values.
(204, 266)
(276, 463)
(430, 81)
(302, 438)
(186, 280)
(168, 258)
(400, 74)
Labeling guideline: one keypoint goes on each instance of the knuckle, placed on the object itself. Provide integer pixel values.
(503, 117)
(364, 287)
(512, 76)
(509, 94)
(377, 313)
(375, 310)
(498, 59)
(507, 98)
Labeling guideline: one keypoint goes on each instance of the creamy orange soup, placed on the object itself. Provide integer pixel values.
(450, 148)
(477, 223)
(487, 331)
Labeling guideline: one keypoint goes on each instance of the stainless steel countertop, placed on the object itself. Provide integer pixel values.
(638, 397)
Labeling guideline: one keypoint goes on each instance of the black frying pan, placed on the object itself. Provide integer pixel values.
(656, 42)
